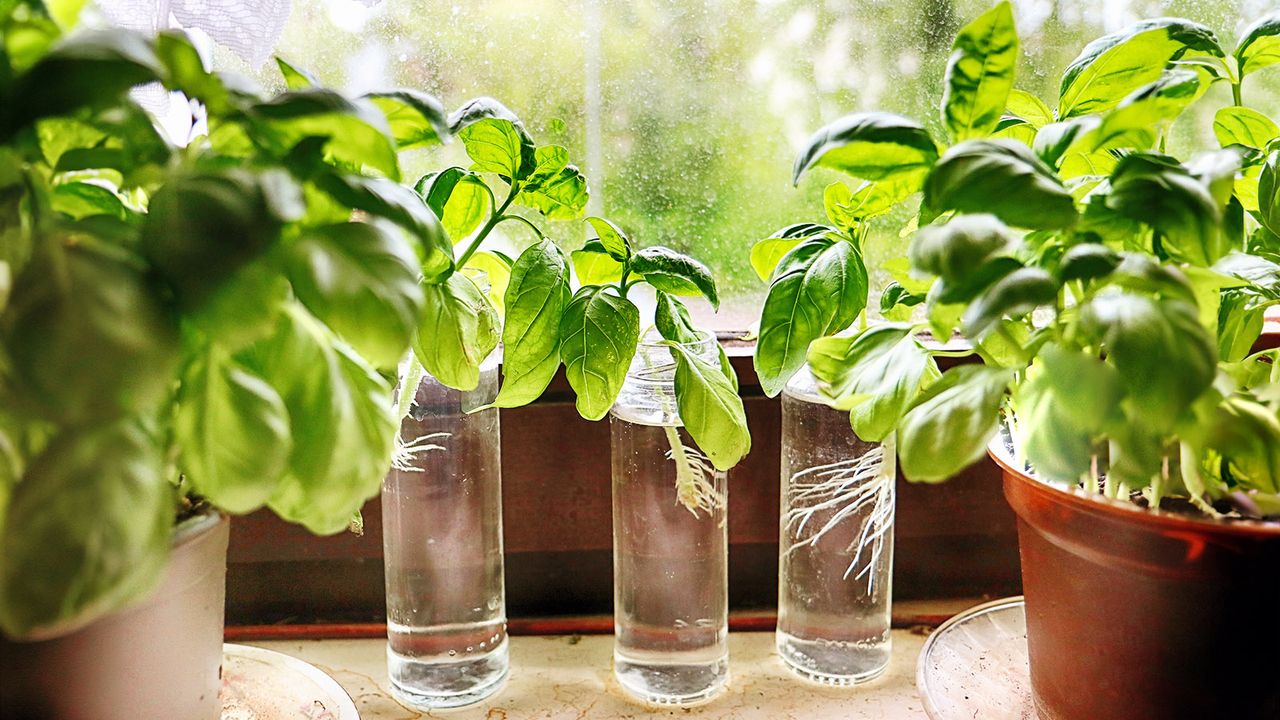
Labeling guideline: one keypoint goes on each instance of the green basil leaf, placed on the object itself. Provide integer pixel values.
(671, 318)
(458, 330)
(1112, 66)
(1269, 193)
(1029, 107)
(980, 74)
(295, 78)
(245, 308)
(948, 427)
(202, 228)
(232, 432)
(394, 202)
(535, 302)
(1138, 119)
(88, 530)
(1053, 140)
(340, 418)
(1240, 324)
(1010, 348)
(459, 198)
(1016, 129)
(710, 409)
(595, 266)
(849, 209)
(1217, 171)
(896, 301)
(766, 253)
(957, 250)
(560, 196)
(1244, 126)
(82, 199)
(1173, 202)
(415, 118)
(599, 334)
(88, 69)
(1087, 261)
(1001, 177)
(944, 317)
(1259, 45)
(57, 135)
(1260, 274)
(676, 273)
(86, 336)
(1163, 354)
(612, 240)
(875, 374)
(1247, 434)
(356, 132)
(186, 72)
(1064, 404)
(818, 289)
(494, 145)
(549, 160)
(362, 281)
(726, 367)
(491, 272)
(870, 146)
(1013, 295)
(1144, 274)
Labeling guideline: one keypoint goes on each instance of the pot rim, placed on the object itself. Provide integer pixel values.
(1120, 510)
(193, 527)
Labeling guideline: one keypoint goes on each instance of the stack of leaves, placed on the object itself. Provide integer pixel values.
(1113, 292)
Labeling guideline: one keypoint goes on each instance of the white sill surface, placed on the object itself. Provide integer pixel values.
(571, 677)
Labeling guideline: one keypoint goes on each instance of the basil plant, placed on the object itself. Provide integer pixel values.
(1113, 292)
(544, 318)
(217, 323)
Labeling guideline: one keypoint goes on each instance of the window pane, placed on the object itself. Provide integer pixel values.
(686, 114)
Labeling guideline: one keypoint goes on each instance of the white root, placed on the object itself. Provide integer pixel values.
(695, 477)
(406, 453)
(862, 486)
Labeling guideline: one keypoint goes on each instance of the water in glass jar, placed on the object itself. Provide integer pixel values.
(442, 530)
(836, 546)
(670, 565)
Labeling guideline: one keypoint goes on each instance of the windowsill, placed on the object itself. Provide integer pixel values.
(571, 677)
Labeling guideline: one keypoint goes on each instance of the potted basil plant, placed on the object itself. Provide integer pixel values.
(1115, 295)
(185, 333)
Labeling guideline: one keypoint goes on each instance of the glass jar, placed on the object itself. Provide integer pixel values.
(442, 545)
(670, 542)
(836, 542)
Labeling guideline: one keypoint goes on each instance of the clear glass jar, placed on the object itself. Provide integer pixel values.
(670, 542)
(442, 545)
(836, 542)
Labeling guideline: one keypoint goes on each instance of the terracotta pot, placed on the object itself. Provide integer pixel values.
(1144, 615)
(158, 660)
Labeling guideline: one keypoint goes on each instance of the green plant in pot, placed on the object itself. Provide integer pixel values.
(1115, 296)
(184, 332)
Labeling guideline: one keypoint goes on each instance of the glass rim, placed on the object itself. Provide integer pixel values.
(658, 342)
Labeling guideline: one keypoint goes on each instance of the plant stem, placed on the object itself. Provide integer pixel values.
(1236, 92)
(494, 219)
(524, 220)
